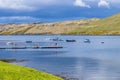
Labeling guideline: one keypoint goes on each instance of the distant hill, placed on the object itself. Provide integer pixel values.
(106, 26)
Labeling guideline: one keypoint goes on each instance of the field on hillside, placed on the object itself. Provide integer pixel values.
(106, 26)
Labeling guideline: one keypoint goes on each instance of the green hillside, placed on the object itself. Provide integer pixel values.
(14, 72)
(106, 26)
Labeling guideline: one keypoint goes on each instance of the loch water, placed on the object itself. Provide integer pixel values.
(98, 59)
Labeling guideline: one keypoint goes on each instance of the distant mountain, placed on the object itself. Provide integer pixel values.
(106, 26)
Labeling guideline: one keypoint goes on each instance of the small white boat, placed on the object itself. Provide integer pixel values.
(54, 39)
(87, 41)
(10, 43)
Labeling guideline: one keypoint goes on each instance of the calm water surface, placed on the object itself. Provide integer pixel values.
(78, 60)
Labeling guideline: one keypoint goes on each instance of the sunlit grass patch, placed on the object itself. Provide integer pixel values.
(15, 72)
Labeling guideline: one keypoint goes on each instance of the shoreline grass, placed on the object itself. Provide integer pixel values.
(15, 72)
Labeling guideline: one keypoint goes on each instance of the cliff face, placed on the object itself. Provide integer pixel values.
(107, 26)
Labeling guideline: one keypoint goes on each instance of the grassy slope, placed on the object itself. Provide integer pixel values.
(14, 72)
(46, 28)
(107, 26)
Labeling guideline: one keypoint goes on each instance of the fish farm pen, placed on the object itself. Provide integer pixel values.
(28, 45)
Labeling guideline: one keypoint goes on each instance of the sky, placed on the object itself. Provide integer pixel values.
(26, 11)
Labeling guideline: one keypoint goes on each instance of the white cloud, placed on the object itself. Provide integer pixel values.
(18, 19)
(15, 5)
(26, 4)
(104, 3)
(30, 5)
(81, 3)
